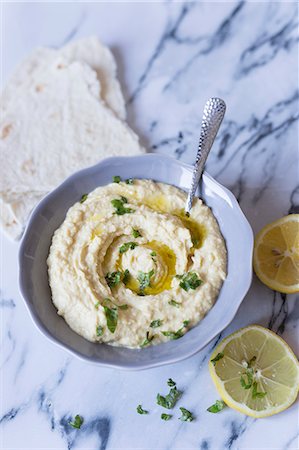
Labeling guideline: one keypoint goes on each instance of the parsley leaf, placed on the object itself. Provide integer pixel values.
(144, 279)
(186, 415)
(136, 233)
(126, 246)
(130, 181)
(120, 209)
(83, 198)
(113, 278)
(255, 393)
(166, 416)
(111, 317)
(116, 179)
(247, 384)
(99, 330)
(173, 303)
(170, 382)
(170, 399)
(156, 323)
(217, 358)
(218, 406)
(140, 410)
(126, 276)
(147, 340)
(77, 422)
(153, 254)
(176, 334)
(189, 280)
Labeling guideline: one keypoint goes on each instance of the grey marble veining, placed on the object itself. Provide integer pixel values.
(172, 56)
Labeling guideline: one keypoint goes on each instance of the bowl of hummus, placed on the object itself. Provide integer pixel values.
(113, 270)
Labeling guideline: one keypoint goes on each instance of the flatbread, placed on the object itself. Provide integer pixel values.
(89, 50)
(51, 128)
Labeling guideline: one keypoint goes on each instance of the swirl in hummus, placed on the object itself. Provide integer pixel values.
(128, 268)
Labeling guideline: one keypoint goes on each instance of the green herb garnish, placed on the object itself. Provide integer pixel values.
(120, 209)
(189, 280)
(170, 382)
(136, 233)
(97, 305)
(166, 416)
(186, 415)
(173, 303)
(83, 198)
(217, 358)
(156, 323)
(111, 317)
(247, 384)
(144, 279)
(130, 181)
(116, 179)
(99, 330)
(255, 393)
(140, 410)
(126, 246)
(126, 276)
(153, 254)
(147, 340)
(113, 278)
(170, 399)
(176, 334)
(77, 422)
(218, 406)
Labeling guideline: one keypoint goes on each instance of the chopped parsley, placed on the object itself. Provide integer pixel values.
(186, 415)
(247, 382)
(126, 246)
(170, 382)
(156, 323)
(218, 406)
(147, 340)
(126, 276)
(140, 410)
(217, 358)
(111, 317)
(120, 209)
(144, 279)
(77, 422)
(99, 330)
(130, 181)
(113, 278)
(173, 303)
(170, 399)
(166, 416)
(97, 305)
(255, 393)
(176, 334)
(116, 179)
(189, 281)
(153, 254)
(83, 198)
(136, 233)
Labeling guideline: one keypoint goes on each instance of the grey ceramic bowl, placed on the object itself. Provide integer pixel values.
(50, 213)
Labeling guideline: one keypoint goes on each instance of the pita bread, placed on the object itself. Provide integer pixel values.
(88, 50)
(52, 126)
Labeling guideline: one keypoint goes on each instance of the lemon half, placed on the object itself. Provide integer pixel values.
(255, 372)
(276, 254)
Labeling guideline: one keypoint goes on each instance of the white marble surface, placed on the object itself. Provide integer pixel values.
(171, 58)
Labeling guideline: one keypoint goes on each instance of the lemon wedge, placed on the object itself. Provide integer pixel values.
(255, 372)
(276, 254)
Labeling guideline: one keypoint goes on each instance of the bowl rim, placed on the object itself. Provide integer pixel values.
(141, 366)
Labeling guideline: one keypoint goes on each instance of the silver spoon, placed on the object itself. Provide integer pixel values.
(213, 114)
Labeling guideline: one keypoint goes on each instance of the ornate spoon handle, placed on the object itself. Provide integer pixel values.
(213, 114)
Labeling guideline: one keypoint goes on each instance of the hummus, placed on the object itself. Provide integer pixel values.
(128, 268)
